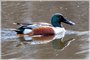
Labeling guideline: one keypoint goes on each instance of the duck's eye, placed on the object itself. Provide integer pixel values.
(58, 16)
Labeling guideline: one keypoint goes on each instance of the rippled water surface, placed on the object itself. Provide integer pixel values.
(75, 44)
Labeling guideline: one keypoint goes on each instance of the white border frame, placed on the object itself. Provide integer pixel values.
(43, 59)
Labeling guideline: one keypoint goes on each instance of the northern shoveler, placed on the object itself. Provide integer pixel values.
(41, 28)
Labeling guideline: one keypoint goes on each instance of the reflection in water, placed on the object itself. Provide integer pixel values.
(56, 41)
(59, 44)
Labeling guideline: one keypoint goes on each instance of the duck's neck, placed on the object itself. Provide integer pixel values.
(56, 23)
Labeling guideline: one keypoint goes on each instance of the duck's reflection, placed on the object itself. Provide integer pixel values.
(56, 41)
(60, 44)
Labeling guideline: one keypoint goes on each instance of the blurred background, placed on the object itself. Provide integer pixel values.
(42, 11)
(21, 11)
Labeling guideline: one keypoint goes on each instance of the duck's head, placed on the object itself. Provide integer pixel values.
(57, 18)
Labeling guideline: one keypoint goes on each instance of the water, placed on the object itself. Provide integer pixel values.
(75, 44)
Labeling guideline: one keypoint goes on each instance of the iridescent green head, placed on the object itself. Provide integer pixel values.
(57, 18)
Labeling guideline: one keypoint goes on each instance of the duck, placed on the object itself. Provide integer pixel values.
(42, 28)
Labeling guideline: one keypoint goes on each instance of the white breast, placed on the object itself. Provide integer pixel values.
(59, 31)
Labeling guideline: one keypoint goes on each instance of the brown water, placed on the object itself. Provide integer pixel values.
(75, 44)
